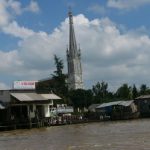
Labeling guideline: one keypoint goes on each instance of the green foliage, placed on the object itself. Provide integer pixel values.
(124, 92)
(134, 92)
(45, 86)
(57, 83)
(59, 67)
(143, 89)
(100, 92)
(81, 98)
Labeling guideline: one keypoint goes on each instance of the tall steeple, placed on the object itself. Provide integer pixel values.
(73, 59)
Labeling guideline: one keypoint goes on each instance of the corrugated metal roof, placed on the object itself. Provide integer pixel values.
(34, 96)
(108, 104)
(28, 96)
(93, 106)
(122, 103)
(143, 97)
(50, 96)
(126, 103)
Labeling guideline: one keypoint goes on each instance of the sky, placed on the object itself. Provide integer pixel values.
(114, 37)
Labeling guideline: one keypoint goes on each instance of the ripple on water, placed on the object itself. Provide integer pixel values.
(116, 135)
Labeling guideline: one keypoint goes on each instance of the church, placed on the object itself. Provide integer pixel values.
(75, 80)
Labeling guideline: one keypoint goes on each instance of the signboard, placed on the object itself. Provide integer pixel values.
(24, 84)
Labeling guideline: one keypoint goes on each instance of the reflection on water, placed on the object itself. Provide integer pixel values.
(117, 135)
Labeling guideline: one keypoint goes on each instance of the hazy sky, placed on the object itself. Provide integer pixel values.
(114, 37)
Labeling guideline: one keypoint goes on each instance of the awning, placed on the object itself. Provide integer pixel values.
(29, 97)
(51, 96)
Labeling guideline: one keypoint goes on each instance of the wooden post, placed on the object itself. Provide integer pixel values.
(29, 117)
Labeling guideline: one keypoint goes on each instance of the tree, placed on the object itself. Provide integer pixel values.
(59, 67)
(81, 98)
(143, 89)
(104, 87)
(134, 92)
(124, 92)
(59, 85)
(56, 83)
(100, 91)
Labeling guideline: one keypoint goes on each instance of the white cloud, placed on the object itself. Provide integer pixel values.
(127, 4)
(17, 31)
(96, 8)
(7, 23)
(33, 7)
(10, 61)
(15, 6)
(3, 86)
(4, 15)
(111, 55)
(10, 8)
(107, 54)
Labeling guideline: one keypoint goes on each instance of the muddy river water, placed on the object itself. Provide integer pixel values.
(116, 135)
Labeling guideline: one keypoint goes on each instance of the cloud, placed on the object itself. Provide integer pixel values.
(17, 31)
(15, 6)
(34, 56)
(10, 8)
(96, 8)
(12, 61)
(127, 4)
(4, 15)
(3, 86)
(8, 11)
(33, 7)
(107, 53)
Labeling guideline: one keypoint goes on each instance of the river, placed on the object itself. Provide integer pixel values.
(116, 135)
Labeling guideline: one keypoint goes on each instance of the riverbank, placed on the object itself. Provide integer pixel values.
(45, 122)
(56, 121)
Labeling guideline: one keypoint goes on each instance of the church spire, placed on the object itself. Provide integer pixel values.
(72, 38)
(73, 59)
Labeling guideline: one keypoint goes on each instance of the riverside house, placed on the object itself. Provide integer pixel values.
(118, 110)
(26, 106)
(143, 103)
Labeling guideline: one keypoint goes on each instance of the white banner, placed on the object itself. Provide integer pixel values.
(24, 84)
